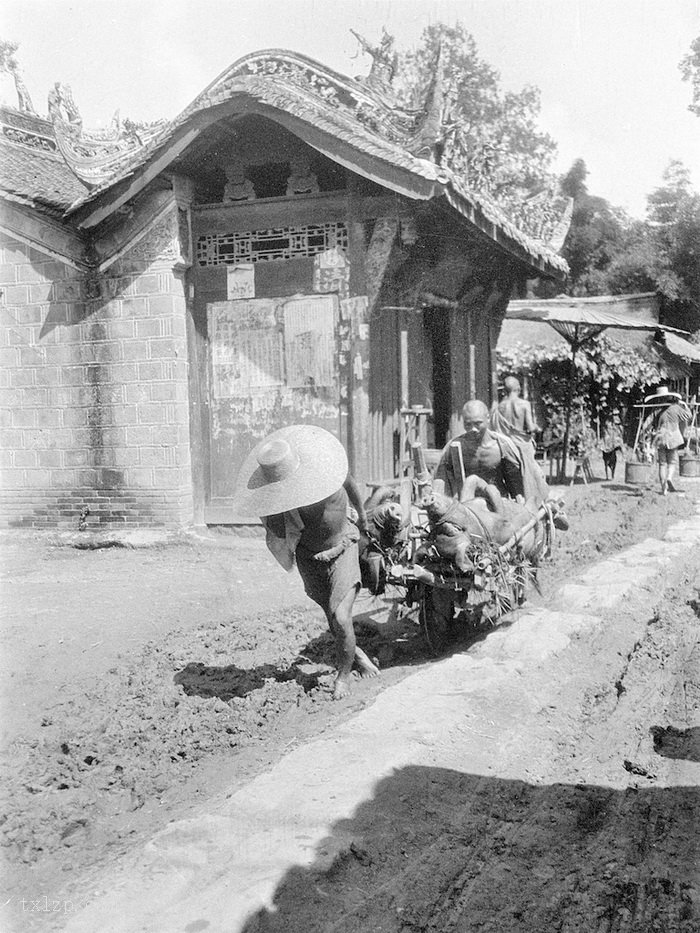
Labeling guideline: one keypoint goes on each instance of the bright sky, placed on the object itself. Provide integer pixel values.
(612, 92)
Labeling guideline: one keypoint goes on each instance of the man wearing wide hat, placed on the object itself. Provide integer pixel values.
(671, 418)
(297, 482)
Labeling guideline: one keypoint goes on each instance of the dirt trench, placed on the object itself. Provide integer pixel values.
(204, 708)
(603, 834)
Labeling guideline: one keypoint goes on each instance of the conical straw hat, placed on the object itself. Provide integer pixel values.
(292, 467)
(662, 394)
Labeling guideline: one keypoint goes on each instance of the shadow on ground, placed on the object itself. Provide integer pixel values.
(622, 487)
(437, 850)
(397, 642)
(677, 743)
(228, 681)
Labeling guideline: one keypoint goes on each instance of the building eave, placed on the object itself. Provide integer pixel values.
(319, 116)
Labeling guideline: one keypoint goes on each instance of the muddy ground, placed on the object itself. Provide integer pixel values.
(133, 690)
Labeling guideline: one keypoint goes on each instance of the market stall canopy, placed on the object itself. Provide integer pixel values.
(581, 319)
(683, 348)
(676, 357)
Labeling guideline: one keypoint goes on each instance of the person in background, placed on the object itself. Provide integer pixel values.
(297, 482)
(611, 443)
(669, 421)
(513, 415)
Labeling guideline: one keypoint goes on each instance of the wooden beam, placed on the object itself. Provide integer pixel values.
(275, 212)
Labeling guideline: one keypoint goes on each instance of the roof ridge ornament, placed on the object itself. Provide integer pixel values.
(372, 104)
(385, 61)
(429, 139)
(9, 64)
(545, 216)
(94, 155)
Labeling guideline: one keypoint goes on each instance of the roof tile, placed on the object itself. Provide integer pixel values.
(39, 178)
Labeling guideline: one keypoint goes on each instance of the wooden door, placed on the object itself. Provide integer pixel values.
(272, 362)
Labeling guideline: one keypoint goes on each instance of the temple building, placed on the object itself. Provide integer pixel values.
(288, 249)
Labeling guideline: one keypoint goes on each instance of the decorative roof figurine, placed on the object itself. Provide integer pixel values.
(301, 179)
(9, 64)
(384, 62)
(238, 187)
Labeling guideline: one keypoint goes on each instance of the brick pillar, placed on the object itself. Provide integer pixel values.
(140, 401)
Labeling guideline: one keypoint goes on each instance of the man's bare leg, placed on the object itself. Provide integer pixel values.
(663, 476)
(340, 623)
(670, 476)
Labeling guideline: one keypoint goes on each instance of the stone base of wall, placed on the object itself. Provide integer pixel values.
(103, 508)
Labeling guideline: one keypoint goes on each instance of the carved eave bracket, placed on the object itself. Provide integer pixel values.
(378, 255)
(157, 228)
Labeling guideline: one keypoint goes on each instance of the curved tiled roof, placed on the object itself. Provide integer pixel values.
(32, 171)
(324, 104)
(354, 122)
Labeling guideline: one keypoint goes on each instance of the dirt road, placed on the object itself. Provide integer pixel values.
(200, 710)
(575, 806)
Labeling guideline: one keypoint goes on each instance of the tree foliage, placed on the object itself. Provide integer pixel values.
(8, 62)
(493, 139)
(674, 216)
(595, 235)
(690, 69)
(609, 253)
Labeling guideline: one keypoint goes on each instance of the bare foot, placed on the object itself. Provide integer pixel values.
(342, 687)
(367, 667)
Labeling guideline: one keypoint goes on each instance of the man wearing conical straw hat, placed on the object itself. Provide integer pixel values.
(297, 482)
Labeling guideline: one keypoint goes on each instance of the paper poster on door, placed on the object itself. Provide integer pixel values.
(240, 281)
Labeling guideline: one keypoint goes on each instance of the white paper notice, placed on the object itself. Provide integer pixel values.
(240, 281)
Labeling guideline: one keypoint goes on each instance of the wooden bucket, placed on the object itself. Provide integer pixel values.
(639, 472)
(689, 466)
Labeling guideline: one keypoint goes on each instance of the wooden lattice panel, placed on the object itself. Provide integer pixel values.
(216, 249)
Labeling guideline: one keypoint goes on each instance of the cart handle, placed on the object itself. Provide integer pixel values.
(521, 532)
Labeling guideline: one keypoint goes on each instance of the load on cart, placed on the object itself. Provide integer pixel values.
(462, 560)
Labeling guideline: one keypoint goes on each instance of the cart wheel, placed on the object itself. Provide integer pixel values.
(436, 610)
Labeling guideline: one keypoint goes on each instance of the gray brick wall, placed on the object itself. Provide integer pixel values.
(93, 393)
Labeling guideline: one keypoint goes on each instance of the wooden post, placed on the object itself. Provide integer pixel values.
(385, 421)
(569, 402)
(472, 357)
(457, 461)
(404, 368)
(493, 362)
(358, 428)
